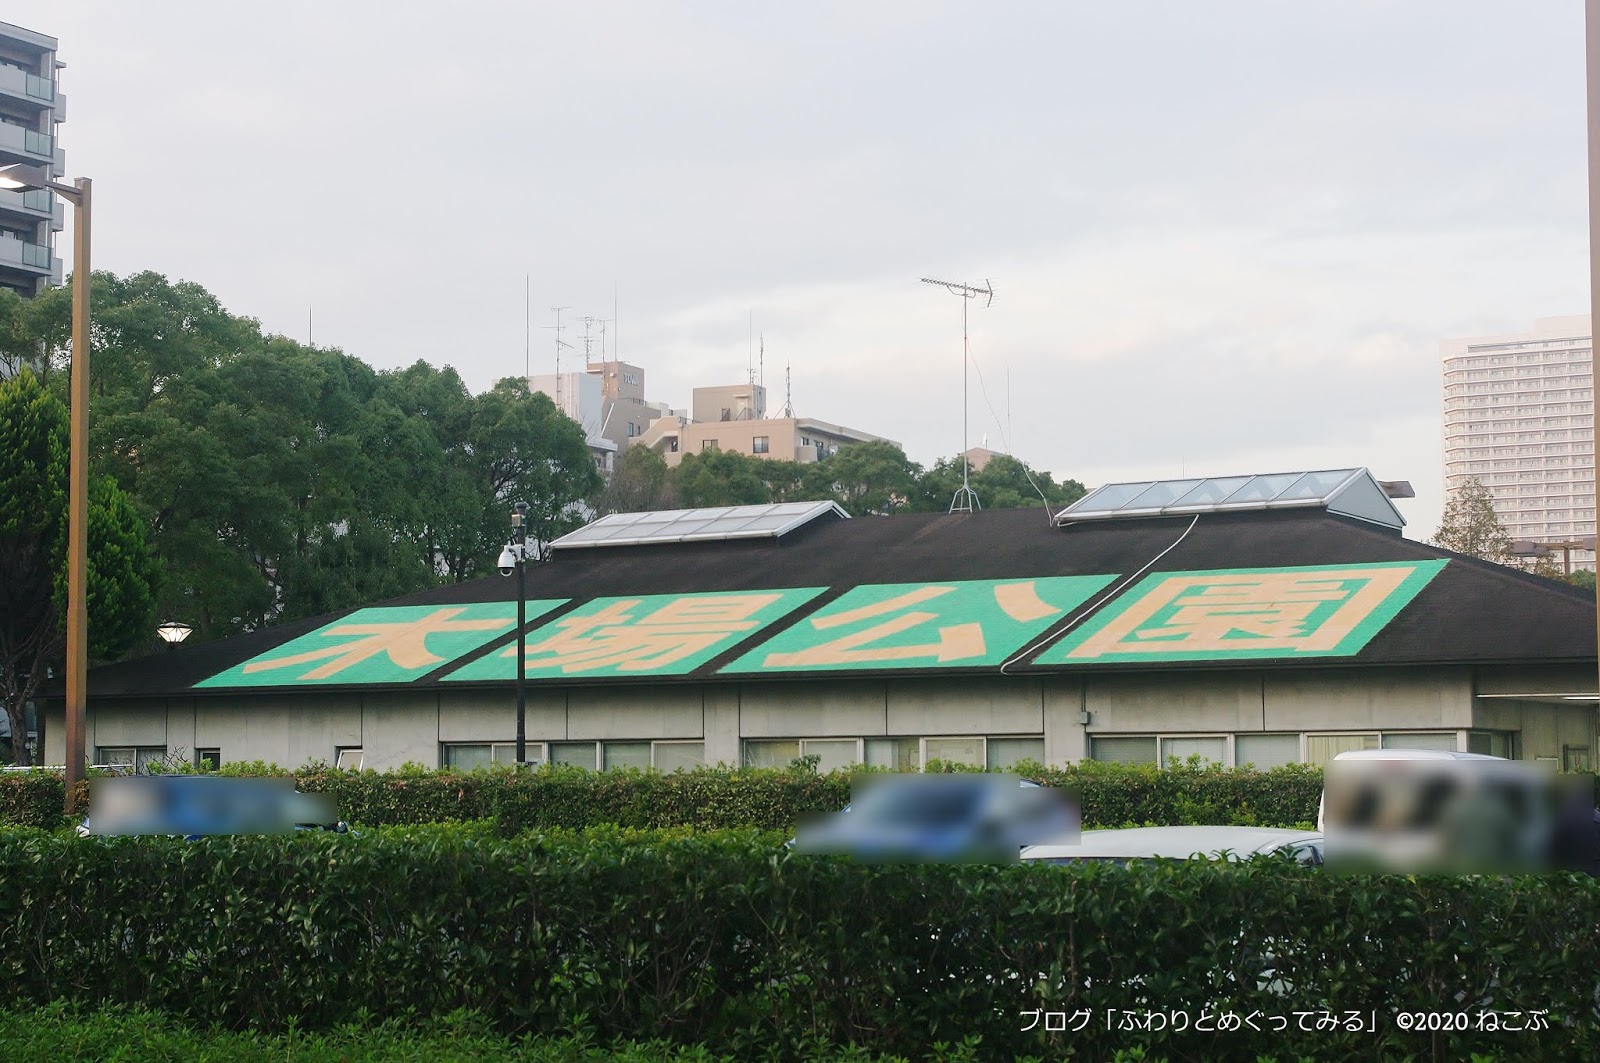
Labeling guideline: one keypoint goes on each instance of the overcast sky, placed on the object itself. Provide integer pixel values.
(1225, 236)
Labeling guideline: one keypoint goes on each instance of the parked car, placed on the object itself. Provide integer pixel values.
(958, 817)
(1181, 843)
(194, 806)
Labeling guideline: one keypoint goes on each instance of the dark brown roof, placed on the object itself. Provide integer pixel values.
(1472, 612)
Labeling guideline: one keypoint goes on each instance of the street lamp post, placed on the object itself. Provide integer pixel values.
(21, 177)
(1532, 548)
(515, 555)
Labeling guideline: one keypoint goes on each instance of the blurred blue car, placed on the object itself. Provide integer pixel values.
(195, 806)
(944, 818)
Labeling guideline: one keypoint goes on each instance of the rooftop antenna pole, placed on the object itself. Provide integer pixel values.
(788, 393)
(616, 325)
(750, 351)
(966, 499)
(560, 343)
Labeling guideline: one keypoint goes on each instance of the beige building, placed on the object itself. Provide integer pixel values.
(734, 418)
(1519, 416)
(1285, 619)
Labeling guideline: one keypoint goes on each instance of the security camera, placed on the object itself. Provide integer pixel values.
(508, 561)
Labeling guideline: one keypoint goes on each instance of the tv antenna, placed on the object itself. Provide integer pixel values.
(965, 499)
(788, 395)
(560, 343)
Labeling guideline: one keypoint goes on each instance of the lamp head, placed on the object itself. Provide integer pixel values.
(173, 631)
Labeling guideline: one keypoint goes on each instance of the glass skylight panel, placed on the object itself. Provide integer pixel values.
(1210, 492)
(1111, 496)
(1159, 494)
(1316, 485)
(1263, 488)
(1348, 492)
(677, 525)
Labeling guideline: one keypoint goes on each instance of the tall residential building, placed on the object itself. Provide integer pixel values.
(1519, 416)
(31, 108)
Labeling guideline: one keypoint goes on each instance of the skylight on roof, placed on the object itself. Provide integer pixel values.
(698, 525)
(1348, 492)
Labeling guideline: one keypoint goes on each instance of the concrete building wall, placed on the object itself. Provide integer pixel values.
(1069, 713)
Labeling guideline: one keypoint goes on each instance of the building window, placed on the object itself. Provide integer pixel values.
(1576, 758)
(1265, 751)
(643, 754)
(468, 756)
(832, 753)
(709, 444)
(1210, 749)
(964, 751)
(1445, 740)
(349, 758)
(1004, 753)
(130, 758)
(1492, 743)
(1320, 749)
(895, 754)
(758, 445)
(1119, 749)
(208, 759)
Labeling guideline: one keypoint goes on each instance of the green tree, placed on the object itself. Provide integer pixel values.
(1004, 483)
(641, 481)
(719, 478)
(1583, 577)
(123, 573)
(1471, 526)
(864, 478)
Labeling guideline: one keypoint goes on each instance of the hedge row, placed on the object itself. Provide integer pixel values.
(715, 798)
(734, 943)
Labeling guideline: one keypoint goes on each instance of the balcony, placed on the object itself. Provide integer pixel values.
(30, 88)
(14, 252)
(38, 203)
(29, 143)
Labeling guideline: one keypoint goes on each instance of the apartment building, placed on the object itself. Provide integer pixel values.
(31, 108)
(734, 417)
(1519, 416)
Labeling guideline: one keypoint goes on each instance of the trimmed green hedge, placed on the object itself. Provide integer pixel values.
(717, 798)
(732, 942)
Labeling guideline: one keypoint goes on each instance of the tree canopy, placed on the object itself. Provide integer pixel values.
(281, 481)
(124, 575)
(1471, 526)
(864, 478)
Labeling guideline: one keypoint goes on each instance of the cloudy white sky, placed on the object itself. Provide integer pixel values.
(1226, 236)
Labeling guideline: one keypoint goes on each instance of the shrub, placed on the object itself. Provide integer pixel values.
(717, 798)
(733, 942)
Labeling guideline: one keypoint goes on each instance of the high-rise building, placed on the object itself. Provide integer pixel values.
(31, 107)
(1519, 417)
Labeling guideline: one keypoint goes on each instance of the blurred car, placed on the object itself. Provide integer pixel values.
(1418, 811)
(195, 806)
(958, 817)
(1181, 843)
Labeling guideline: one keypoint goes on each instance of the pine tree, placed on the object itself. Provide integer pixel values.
(1471, 526)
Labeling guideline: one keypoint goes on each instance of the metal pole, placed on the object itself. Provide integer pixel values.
(78, 503)
(521, 522)
(1591, 36)
(965, 300)
(522, 663)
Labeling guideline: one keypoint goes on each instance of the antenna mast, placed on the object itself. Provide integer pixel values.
(788, 394)
(965, 499)
(560, 343)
